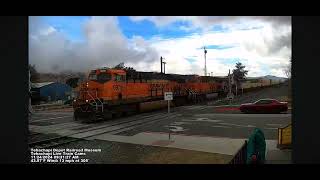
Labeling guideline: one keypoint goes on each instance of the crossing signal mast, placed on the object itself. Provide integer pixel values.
(205, 61)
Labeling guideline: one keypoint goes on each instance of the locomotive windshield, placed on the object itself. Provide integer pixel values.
(101, 78)
(104, 77)
(92, 77)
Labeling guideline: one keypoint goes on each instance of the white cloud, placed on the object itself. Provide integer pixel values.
(259, 49)
(266, 47)
(105, 45)
(206, 22)
(47, 31)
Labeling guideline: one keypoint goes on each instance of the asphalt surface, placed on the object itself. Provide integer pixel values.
(191, 122)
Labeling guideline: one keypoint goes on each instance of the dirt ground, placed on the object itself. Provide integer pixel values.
(125, 153)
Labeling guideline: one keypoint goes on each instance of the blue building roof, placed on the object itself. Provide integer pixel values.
(53, 90)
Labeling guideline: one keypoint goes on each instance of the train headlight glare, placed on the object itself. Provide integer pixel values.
(87, 100)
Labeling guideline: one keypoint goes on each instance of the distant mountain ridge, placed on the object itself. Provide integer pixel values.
(276, 78)
(273, 77)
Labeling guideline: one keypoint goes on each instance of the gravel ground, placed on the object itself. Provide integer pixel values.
(124, 153)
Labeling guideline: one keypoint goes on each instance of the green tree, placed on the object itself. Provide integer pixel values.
(72, 82)
(122, 66)
(239, 73)
(119, 66)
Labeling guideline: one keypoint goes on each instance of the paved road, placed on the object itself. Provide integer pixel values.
(203, 122)
(190, 120)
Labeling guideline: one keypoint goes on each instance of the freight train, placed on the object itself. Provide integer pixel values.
(113, 92)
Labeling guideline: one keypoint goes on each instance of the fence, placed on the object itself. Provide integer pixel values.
(241, 156)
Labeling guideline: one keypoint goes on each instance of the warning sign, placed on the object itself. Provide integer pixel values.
(168, 96)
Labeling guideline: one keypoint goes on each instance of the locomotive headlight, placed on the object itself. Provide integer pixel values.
(87, 100)
(74, 100)
(87, 84)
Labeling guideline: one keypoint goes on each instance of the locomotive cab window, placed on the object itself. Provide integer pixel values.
(119, 78)
(92, 77)
(103, 77)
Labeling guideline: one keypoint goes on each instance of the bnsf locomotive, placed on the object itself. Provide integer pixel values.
(113, 92)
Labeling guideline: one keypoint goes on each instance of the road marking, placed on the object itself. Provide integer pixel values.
(50, 118)
(238, 125)
(195, 107)
(203, 120)
(220, 126)
(176, 128)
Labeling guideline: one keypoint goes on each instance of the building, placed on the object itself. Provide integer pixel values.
(50, 91)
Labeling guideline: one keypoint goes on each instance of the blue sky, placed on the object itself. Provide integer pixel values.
(179, 39)
(71, 26)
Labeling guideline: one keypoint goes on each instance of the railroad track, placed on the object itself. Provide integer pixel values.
(113, 122)
(110, 128)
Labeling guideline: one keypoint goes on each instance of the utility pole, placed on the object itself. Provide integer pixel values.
(211, 73)
(229, 82)
(205, 61)
(164, 65)
(161, 63)
(229, 95)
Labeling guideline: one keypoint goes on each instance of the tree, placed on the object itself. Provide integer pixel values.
(122, 66)
(34, 75)
(239, 73)
(72, 82)
(119, 66)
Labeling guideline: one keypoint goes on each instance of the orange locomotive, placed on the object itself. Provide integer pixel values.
(110, 92)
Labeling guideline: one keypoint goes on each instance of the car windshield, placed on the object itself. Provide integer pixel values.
(263, 102)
